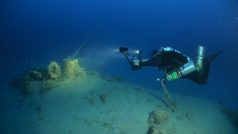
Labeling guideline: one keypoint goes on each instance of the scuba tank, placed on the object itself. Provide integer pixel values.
(184, 70)
(188, 67)
(200, 57)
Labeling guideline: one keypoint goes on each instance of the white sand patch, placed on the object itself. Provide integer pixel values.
(98, 104)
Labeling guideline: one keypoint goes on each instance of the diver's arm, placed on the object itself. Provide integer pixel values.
(137, 63)
(126, 55)
(132, 63)
(142, 63)
(147, 62)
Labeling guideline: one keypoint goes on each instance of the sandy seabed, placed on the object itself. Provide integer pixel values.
(99, 104)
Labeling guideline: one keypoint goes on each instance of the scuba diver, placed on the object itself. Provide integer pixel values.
(174, 64)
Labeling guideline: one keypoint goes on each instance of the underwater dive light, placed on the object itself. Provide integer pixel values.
(137, 52)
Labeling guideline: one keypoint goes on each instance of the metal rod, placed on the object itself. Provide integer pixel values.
(168, 99)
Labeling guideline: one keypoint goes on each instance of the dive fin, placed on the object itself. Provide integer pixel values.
(214, 56)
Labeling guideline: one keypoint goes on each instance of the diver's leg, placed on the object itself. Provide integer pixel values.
(201, 76)
(127, 58)
(196, 77)
(207, 64)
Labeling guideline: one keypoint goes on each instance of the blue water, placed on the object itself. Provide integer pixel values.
(34, 32)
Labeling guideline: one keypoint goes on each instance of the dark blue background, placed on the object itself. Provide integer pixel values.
(33, 32)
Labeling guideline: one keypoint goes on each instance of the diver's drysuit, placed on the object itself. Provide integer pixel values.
(174, 63)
